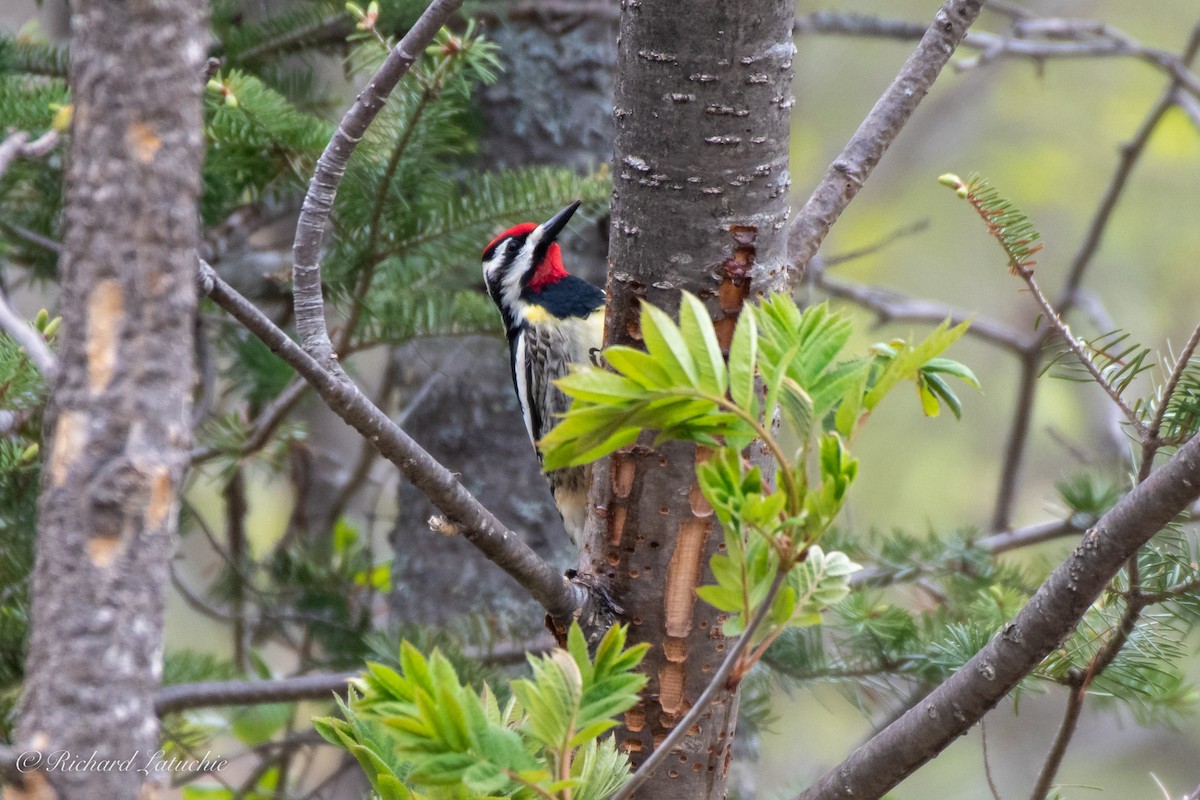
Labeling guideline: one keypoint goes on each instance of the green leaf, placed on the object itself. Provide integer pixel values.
(910, 358)
(949, 366)
(665, 343)
(797, 408)
(929, 401)
(697, 328)
(638, 366)
(944, 393)
(743, 354)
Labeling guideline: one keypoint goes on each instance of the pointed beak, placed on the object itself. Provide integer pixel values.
(552, 228)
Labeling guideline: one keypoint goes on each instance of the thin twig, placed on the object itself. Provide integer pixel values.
(1018, 437)
(994, 544)
(1035, 40)
(1066, 730)
(264, 426)
(987, 763)
(1030, 535)
(1069, 296)
(478, 526)
(1181, 364)
(331, 167)
(715, 686)
(32, 237)
(1130, 153)
(29, 338)
(1064, 331)
(877, 245)
(889, 305)
(851, 169)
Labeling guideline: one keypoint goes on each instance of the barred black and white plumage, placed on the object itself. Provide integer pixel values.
(552, 319)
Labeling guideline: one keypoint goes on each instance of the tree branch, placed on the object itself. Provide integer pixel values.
(1033, 39)
(1045, 621)
(477, 525)
(17, 145)
(331, 167)
(30, 339)
(1130, 153)
(183, 696)
(889, 305)
(851, 169)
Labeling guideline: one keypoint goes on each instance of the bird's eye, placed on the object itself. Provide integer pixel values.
(510, 246)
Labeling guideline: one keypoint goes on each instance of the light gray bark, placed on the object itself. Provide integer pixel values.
(119, 412)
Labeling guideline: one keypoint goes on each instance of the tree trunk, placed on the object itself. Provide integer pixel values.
(703, 97)
(119, 413)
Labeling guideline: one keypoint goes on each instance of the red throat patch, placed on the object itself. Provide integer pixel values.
(551, 270)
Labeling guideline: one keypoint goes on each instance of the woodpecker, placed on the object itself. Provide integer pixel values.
(553, 320)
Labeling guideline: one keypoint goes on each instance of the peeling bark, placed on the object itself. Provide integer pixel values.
(119, 410)
(700, 204)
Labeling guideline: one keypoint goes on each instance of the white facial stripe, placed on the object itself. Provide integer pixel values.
(523, 388)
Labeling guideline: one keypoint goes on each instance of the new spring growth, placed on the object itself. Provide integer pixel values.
(1006, 223)
(955, 183)
(215, 85)
(366, 19)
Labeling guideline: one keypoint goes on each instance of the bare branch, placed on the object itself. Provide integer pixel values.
(1033, 39)
(331, 167)
(995, 544)
(477, 525)
(851, 169)
(30, 339)
(1066, 730)
(889, 305)
(1046, 620)
(17, 145)
(32, 237)
(1130, 153)
(181, 697)
(1030, 535)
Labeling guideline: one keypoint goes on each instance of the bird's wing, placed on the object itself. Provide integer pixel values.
(546, 346)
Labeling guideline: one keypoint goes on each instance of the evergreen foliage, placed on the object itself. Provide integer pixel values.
(22, 396)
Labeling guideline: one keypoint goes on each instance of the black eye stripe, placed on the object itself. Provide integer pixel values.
(511, 245)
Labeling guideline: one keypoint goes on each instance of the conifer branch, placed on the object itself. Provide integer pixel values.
(1013, 231)
(477, 525)
(848, 173)
(1046, 620)
(265, 424)
(331, 167)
